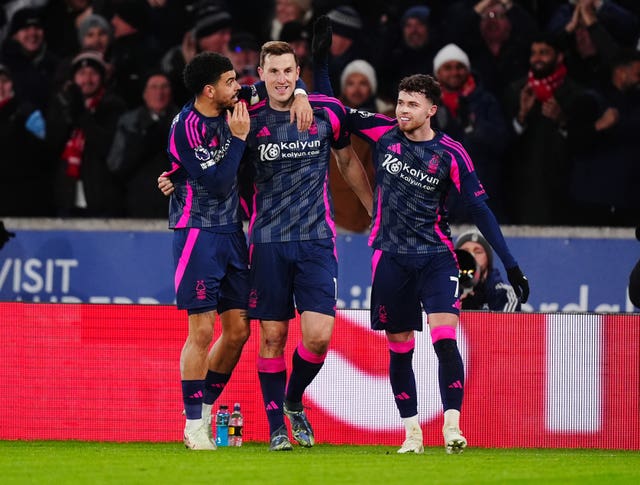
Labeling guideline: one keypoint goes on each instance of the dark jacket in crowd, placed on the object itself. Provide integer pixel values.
(132, 57)
(138, 155)
(102, 189)
(605, 176)
(539, 159)
(481, 128)
(25, 186)
(496, 72)
(32, 77)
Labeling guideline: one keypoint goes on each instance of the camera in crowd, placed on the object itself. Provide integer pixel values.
(469, 271)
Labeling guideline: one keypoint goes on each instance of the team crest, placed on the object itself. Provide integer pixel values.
(433, 164)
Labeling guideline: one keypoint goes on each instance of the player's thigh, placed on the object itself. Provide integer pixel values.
(438, 285)
(395, 306)
(234, 288)
(199, 268)
(271, 282)
(316, 276)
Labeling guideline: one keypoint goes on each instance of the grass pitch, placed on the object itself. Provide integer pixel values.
(71, 462)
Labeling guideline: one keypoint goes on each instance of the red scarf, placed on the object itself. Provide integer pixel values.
(5, 101)
(451, 99)
(74, 147)
(545, 87)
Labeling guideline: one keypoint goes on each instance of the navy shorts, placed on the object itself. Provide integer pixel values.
(403, 284)
(212, 270)
(288, 275)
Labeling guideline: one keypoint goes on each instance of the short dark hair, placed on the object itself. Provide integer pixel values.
(205, 68)
(422, 83)
(276, 48)
(549, 38)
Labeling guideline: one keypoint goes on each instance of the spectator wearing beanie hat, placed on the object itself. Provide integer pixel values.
(95, 33)
(134, 51)
(25, 18)
(358, 87)
(81, 125)
(92, 59)
(412, 55)
(25, 52)
(415, 26)
(346, 44)
(490, 292)
(212, 31)
(473, 116)
(449, 53)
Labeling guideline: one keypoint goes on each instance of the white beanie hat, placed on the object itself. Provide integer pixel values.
(363, 67)
(450, 52)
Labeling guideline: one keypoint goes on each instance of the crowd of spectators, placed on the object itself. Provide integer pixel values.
(545, 96)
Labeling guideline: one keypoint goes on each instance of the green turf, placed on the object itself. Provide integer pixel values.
(95, 463)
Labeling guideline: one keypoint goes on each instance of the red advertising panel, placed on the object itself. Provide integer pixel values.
(110, 373)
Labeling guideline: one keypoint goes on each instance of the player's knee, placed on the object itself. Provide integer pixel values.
(274, 342)
(201, 336)
(446, 349)
(239, 335)
(318, 345)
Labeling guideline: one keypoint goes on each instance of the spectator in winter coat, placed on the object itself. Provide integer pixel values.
(473, 116)
(138, 152)
(85, 115)
(489, 291)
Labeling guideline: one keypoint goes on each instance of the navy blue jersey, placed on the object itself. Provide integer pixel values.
(413, 180)
(204, 159)
(291, 198)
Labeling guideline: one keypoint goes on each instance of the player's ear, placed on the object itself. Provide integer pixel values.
(209, 91)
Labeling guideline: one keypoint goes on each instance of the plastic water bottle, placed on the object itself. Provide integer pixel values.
(235, 426)
(222, 426)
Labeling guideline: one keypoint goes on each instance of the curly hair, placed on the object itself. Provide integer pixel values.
(205, 68)
(422, 83)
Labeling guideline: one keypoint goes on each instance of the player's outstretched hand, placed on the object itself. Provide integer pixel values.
(322, 34)
(5, 235)
(519, 282)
